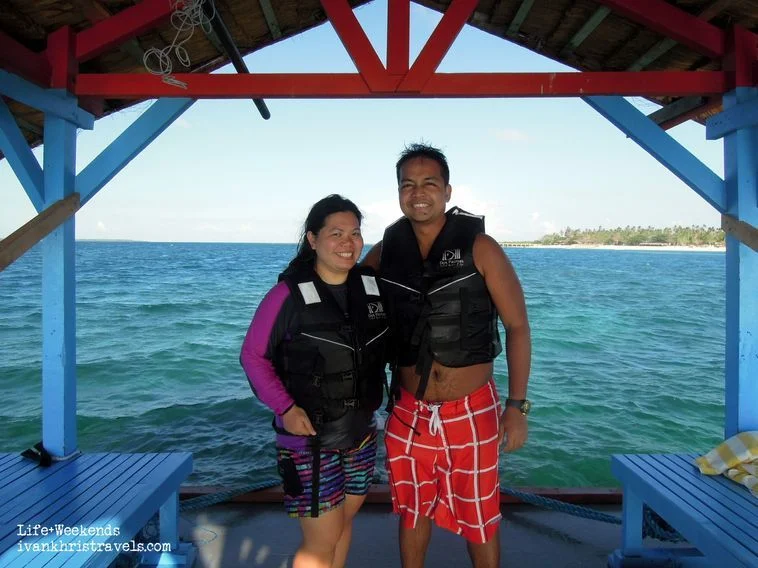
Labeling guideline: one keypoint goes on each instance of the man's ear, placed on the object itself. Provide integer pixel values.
(448, 191)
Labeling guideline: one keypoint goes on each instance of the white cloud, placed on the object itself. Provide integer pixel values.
(535, 215)
(511, 135)
(549, 227)
(495, 221)
(377, 215)
(101, 227)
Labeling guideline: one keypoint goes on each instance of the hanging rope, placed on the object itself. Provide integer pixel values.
(186, 16)
(653, 525)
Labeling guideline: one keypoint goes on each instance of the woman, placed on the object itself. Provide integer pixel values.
(314, 354)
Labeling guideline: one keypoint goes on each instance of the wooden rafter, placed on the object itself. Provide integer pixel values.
(677, 108)
(95, 13)
(589, 26)
(117, 29)
(521, 14)
(270, 17)
(673, 22)
(666, 44)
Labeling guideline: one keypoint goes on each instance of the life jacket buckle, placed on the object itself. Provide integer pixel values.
(351, 403)
(347, 376)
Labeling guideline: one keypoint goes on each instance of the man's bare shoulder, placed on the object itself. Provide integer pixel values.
(373, 257)
(485, 245)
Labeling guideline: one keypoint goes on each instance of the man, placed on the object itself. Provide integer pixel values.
(444, 294)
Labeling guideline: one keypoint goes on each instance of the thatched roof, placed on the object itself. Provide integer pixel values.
(579, 33)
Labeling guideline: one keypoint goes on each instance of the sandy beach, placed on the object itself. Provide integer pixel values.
(665, 248)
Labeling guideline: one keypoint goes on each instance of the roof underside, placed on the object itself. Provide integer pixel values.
(582, 34)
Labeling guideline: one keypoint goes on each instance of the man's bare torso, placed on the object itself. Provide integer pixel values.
(447, 383)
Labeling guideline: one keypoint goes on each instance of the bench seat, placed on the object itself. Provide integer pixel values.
(717, 516)
(84, 511)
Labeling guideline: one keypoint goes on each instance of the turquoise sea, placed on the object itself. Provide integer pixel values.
(628, 356)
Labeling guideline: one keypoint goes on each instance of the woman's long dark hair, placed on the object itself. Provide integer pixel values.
(306, 256)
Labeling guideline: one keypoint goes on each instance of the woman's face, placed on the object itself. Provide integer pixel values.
(338, 246)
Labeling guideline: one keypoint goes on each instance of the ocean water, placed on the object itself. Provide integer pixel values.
(627, 356)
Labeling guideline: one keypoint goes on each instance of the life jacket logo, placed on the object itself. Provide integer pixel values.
(376, 311)
(451, 259)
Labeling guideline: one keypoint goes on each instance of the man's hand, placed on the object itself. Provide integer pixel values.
(296, 421)
(513, 429)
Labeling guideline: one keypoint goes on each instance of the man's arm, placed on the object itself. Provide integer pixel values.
(373, 257)
(505, 289)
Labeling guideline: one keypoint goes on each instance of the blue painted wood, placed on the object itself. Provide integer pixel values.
(631, 533)
(16, 149)
(720, 519)
(48, 489)
(102, 492)
(731, 120)
(128, 145)
(55, 102)
(680, 161)
(721, 490)
(59, 295)
(652, 558)
(741, 364)
(169, 521)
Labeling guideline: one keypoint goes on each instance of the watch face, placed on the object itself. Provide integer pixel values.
(526, 406)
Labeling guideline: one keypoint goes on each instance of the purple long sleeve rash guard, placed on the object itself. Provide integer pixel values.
(268, 328)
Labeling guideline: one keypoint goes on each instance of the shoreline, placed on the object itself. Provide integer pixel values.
(664, 248)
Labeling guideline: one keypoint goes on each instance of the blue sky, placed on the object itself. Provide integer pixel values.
(221, 173)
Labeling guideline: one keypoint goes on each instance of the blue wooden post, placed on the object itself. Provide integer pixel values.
(168, 520)
(741, 173)
(631, 535)
(59, 295)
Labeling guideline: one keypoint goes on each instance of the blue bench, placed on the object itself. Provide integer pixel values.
(49, 514)
(717, 516)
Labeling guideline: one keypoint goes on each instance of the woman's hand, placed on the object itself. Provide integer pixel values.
(296, 421)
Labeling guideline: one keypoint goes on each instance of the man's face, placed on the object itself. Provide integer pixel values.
(422, 191)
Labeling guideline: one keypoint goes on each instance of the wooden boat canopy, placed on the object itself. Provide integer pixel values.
(623, 44)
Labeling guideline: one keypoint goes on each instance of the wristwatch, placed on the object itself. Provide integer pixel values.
(524, 405)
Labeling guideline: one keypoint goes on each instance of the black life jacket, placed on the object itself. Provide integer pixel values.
(335, 361)
(439, 308)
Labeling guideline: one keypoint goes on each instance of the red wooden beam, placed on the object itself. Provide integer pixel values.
(60, 53)
(711, 105)
(121, 27)
(398, 36)
(334, 85)
(438, 44)
(17, 59)
(740, 60)
(672, 22)
(356, 43)
(649, 83)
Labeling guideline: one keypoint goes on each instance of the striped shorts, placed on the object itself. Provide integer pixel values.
(442, 462)
(340, 473)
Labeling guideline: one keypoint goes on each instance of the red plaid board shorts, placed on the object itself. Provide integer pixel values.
(442, 462)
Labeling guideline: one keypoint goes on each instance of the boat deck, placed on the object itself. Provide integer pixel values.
(261, 535)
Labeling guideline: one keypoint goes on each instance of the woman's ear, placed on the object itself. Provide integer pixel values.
(311, 239)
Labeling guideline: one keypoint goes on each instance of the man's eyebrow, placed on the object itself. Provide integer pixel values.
(427, 178)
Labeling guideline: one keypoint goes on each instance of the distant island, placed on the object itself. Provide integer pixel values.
(677, 236)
